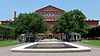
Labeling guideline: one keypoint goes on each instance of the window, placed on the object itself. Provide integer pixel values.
(49, 9)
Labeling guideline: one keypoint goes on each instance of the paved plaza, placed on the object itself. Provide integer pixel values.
(5, 51)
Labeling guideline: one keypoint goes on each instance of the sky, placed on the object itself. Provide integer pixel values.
(91, 8)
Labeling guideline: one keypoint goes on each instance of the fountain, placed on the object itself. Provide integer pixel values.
(43, 47)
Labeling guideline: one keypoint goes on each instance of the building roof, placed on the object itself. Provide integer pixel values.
(50, 6)
(92, 20)
(5, 22)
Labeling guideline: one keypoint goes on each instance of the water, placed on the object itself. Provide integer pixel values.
(49, 46)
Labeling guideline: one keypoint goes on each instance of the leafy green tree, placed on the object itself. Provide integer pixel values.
(6, 31)
(26, 22)
(94, 32)
(79, 17)
(71, 21)
(30, 22)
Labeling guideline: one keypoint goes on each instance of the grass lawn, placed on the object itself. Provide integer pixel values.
(91, 42)
(8, 43)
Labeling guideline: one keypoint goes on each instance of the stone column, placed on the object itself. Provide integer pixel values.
(76, 38)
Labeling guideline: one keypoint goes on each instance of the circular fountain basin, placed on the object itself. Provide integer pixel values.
(52, 47)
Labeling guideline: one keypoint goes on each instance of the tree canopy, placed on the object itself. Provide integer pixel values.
(25, 22)
(94, 32)
(72, 21)
(30, 22)
(6, 31)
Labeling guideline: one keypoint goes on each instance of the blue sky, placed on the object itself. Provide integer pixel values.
(91, 8)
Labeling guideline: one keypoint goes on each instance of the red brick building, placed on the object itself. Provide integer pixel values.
(7, 21)
(52, 13)
(92, 23)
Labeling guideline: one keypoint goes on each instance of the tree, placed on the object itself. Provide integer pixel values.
(6, 31)
(30, 22)
(94, 32)
(71, 21)
(25, 22)
(79, 16)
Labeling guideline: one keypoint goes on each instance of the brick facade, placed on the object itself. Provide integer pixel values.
(52, 13)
